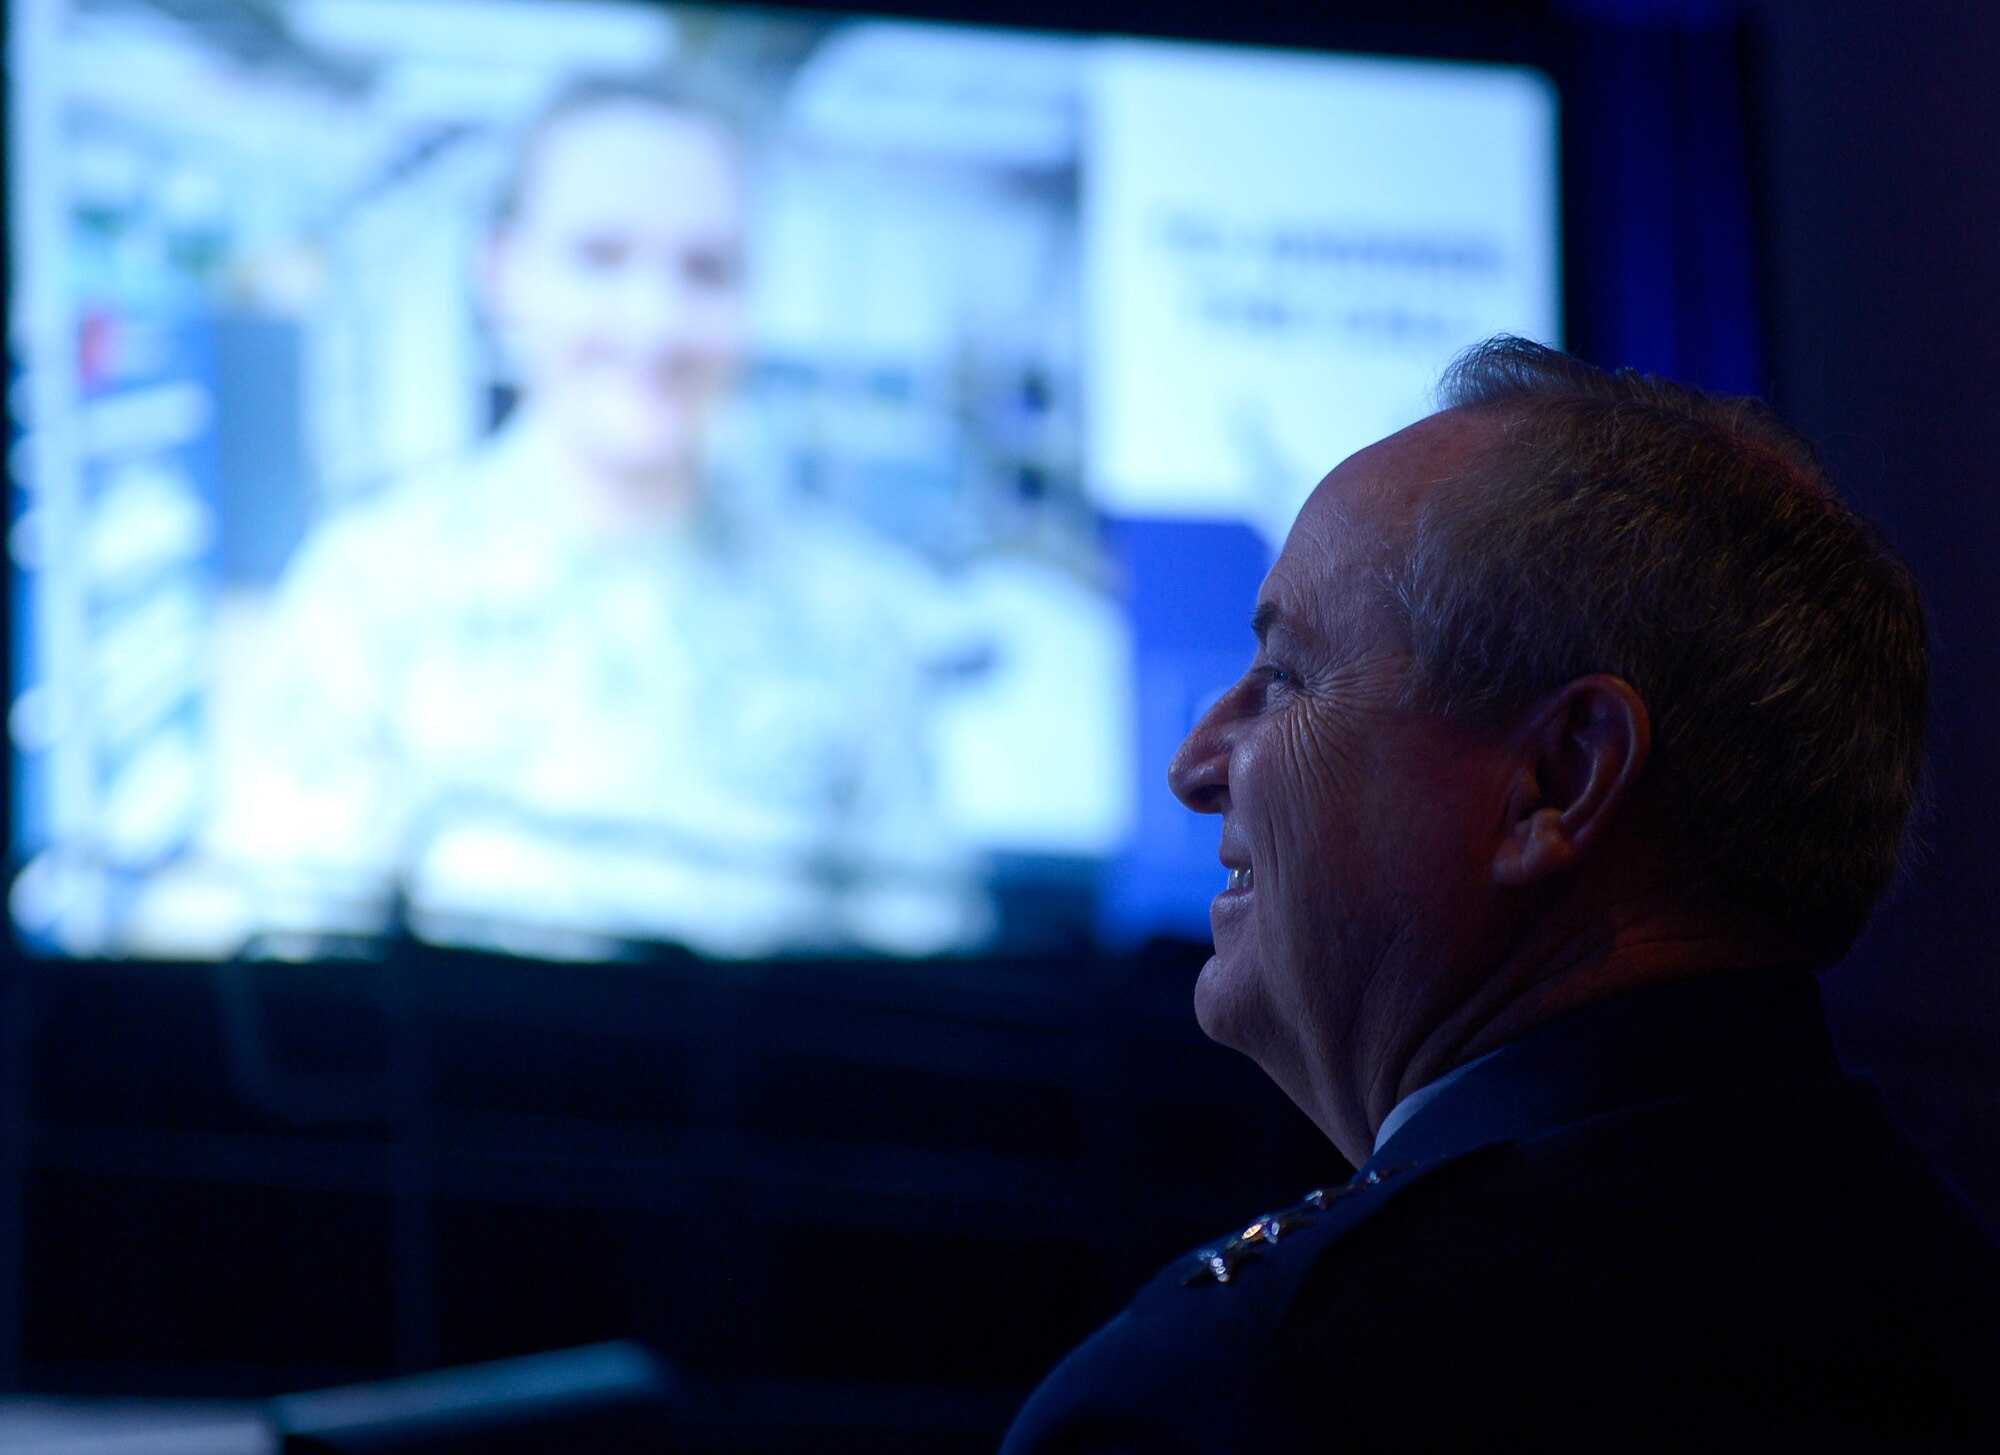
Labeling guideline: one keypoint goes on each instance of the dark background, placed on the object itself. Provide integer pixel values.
(865, 1206)
(1875, 127)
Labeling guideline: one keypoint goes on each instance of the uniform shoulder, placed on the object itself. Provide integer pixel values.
(820, 538)
(1771, 1252)
(1275, 1246)
(388, 550)
(1192, 1363)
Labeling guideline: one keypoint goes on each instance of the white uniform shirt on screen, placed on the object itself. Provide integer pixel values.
(706, 732)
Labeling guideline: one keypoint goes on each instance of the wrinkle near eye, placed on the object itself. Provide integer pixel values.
(1323, 743)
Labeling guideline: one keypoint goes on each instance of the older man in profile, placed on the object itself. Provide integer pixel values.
(1584, 726)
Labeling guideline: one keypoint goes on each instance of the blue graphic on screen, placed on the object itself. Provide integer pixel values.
(571, 478)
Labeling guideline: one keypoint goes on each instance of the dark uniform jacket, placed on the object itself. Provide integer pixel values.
(1669, 1221)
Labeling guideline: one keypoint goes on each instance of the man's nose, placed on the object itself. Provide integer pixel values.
(1199, 772)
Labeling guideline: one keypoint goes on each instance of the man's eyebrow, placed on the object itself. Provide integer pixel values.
(1266, 616)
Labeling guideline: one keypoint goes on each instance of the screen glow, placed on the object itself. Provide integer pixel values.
(560, 477)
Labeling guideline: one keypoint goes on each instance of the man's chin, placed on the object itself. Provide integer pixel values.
(1224, 997)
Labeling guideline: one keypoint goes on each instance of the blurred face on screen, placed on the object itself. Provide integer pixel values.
(617, 283)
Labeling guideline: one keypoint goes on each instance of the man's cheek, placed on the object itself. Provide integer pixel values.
(1305, 849)
(1296, 904)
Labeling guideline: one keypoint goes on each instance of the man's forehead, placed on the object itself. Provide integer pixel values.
(1361, 513)
(1381, 487)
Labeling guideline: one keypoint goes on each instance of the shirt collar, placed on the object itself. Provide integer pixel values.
(1417, 1100)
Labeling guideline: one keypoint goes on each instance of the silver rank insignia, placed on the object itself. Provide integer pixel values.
(1220, 1265)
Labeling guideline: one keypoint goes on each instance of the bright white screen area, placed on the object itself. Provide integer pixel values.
(563, 477)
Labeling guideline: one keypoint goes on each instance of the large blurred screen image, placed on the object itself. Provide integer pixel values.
(570, 477)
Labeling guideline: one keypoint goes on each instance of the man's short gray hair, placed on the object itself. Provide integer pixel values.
(1691, 544)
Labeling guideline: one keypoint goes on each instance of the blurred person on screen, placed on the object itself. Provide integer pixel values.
(585, 684)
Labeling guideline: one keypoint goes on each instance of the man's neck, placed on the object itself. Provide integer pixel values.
(1569, 961)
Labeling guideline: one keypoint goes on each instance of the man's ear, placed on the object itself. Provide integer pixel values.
(1579, 754)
